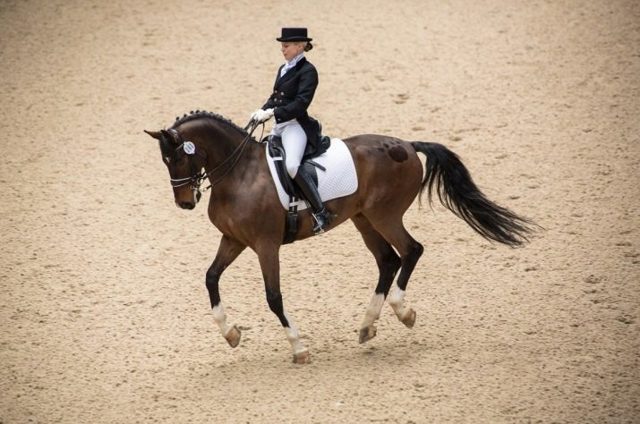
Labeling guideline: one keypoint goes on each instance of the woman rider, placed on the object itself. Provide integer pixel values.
(295, 85)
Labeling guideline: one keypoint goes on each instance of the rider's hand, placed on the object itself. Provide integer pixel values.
(262, 115)
(268, 114)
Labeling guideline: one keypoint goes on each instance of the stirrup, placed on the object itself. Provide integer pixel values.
(321, 220)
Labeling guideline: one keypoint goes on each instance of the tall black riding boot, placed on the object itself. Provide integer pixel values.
(320, 214)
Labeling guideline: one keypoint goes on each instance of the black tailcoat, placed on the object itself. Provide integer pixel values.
(292, 95)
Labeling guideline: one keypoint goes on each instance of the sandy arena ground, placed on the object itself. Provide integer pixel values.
(104, 314)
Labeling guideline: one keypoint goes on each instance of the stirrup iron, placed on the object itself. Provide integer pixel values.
(321, 220)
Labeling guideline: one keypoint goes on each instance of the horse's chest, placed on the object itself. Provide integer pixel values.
(241, 225)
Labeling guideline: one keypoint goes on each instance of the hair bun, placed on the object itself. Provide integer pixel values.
(308, 47)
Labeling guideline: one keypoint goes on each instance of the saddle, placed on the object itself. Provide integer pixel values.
(276, 150)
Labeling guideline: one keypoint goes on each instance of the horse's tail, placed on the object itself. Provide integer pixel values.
(451, 180)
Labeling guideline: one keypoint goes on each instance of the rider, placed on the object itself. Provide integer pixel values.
(295, 85)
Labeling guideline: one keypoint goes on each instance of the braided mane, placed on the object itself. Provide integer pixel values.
(204, 114)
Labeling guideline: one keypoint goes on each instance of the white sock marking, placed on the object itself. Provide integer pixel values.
(293, 336)
(396, 300)
(221, 319)
(373, 310)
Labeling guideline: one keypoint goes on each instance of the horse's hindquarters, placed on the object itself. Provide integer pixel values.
(389, 172)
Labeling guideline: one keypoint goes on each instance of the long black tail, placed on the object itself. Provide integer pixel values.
(447, 175)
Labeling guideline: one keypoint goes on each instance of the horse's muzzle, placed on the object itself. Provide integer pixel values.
(186, 205)
(191, 200)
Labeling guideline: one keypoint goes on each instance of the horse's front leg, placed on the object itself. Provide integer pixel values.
(270, 265)
(228, 251)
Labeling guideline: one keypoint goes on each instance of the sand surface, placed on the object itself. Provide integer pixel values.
(104, 314)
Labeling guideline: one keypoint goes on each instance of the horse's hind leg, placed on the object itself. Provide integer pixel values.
(388, 264)
(228, 251)
(410, 251)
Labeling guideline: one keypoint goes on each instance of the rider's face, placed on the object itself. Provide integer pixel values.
(291, 49)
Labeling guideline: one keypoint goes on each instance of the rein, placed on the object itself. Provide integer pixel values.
(226, 166)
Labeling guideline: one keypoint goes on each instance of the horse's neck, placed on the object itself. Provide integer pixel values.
(222, 144)
(218, 141)
(223, 148)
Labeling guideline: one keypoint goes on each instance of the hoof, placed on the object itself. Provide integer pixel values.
(302, 357)
(233, 336)
(409, 318)
(367, 333)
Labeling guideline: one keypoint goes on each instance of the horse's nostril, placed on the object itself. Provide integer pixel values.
(187, 205)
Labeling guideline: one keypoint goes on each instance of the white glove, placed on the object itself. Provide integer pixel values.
(262, 115)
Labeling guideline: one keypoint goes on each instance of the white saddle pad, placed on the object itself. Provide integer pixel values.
(338, 180)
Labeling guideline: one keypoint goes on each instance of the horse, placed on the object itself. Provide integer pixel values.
(245, 208)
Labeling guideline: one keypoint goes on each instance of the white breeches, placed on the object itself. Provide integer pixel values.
(294, 141)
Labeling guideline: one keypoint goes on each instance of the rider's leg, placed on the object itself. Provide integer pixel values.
(294, 141)
(310, 191)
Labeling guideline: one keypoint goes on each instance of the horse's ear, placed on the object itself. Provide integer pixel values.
(155, 134)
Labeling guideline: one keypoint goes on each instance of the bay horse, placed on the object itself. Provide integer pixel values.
(245, 208)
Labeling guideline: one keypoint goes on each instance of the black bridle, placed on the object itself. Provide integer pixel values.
(196, 179)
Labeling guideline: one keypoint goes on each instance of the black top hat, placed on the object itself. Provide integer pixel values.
(294, 34)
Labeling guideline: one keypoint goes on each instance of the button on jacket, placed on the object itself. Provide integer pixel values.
(292, 95)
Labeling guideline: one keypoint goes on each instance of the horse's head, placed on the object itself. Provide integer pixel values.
(184, 165)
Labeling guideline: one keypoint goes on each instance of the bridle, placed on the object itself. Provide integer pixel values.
(196, 179)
